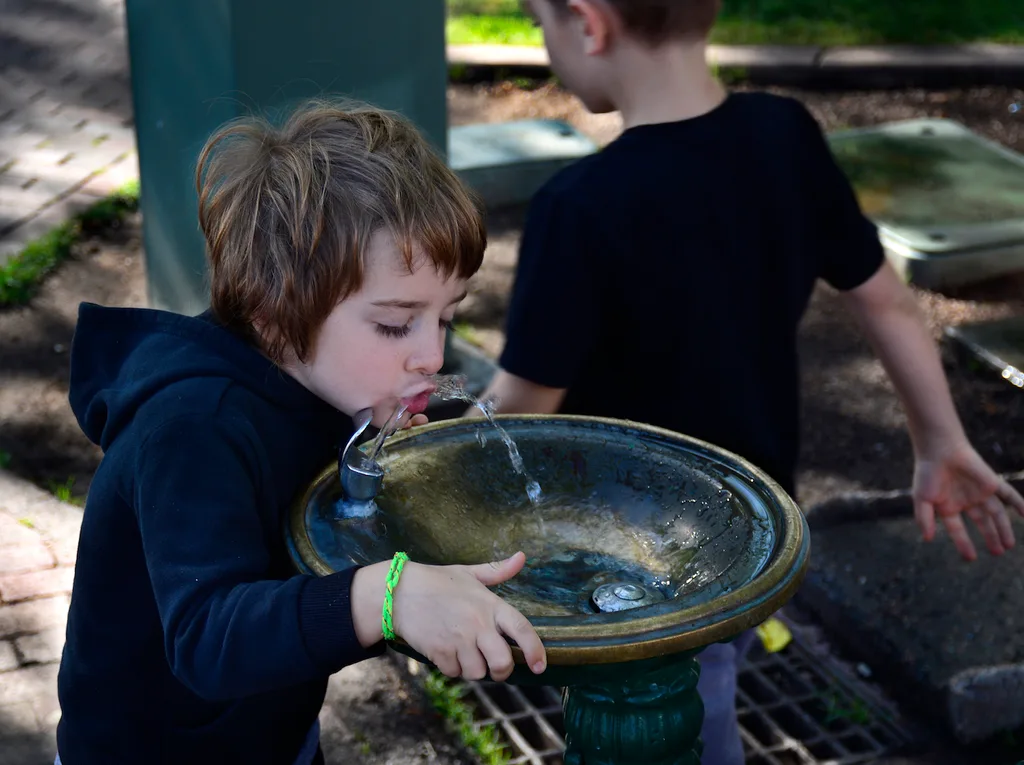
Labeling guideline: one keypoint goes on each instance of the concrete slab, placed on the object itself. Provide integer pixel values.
(507, 162)
(932, 625)
(498, 55)
(754, 58)
(999, 344)
(979, 56)
(842, 66)
(949, 203)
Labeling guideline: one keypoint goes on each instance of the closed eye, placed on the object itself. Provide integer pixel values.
(387, 330)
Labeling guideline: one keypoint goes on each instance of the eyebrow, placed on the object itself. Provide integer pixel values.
(413, 305)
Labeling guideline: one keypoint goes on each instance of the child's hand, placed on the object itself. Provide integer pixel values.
(416, 421)
(447, 614)
(957, 480)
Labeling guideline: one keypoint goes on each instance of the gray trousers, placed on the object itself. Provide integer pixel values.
(719, 664)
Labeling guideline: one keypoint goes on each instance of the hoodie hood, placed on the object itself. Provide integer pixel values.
(122, 357)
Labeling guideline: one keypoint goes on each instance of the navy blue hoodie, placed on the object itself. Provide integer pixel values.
(190, 639)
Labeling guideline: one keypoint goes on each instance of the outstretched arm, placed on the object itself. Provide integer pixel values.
(950, 478)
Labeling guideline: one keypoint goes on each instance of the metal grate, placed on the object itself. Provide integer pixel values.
(529, 717)
(793, 708)
(794, 711)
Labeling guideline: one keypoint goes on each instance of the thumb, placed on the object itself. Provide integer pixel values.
(496, 572)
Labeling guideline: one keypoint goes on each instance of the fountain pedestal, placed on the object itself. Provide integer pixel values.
(649, 715)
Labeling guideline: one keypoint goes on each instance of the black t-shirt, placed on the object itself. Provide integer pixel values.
(662, 279)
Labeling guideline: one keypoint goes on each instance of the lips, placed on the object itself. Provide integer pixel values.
(417, 404)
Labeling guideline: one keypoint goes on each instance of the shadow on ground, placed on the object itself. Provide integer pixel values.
(60, 54)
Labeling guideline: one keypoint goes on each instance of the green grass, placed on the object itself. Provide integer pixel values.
(447, 698)
(22, 274)
(65, 492)
(803, 22)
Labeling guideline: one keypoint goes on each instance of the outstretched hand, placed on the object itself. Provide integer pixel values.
(957, 482)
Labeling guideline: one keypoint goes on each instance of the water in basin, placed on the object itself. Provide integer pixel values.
(612, 512)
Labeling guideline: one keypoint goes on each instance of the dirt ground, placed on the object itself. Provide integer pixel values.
(853, 427)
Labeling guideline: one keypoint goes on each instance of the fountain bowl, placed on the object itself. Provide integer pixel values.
(714, 545)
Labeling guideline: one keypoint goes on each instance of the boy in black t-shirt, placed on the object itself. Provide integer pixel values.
(662, 280)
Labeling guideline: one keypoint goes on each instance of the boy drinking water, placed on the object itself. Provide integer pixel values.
(662, 280)
(339, 248)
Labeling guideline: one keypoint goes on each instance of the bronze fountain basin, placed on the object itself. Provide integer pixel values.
(706, 542)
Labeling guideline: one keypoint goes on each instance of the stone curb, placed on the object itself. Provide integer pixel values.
(860, 66)
(868, 506)
(974, 704)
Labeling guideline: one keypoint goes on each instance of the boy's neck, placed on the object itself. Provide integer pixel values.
(670, 83)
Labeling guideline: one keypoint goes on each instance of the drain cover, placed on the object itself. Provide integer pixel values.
(622, 596)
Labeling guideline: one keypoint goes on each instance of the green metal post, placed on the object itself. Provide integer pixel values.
(645, 712)
(198, 63)
(640, 718)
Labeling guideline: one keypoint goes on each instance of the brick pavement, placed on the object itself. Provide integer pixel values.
(38, 537)
(66, 133)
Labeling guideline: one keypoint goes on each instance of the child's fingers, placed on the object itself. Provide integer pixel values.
(924, 512)
(472, 663)
(497, 653)
(448, 663)
(957, 530)
(1003, 533)
(514, 625)
(984, 522)
(1011, 497)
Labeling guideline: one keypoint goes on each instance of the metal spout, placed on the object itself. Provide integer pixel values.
(360, 476)
(361, 482)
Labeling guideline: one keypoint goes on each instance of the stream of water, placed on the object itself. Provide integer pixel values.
(453, 387)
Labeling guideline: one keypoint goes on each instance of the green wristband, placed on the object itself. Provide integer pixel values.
(397, 564)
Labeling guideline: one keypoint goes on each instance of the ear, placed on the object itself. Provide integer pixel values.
(597, 20)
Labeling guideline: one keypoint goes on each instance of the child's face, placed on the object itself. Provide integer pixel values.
(379, 346)
(576, 37)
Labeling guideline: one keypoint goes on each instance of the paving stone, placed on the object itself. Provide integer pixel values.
(28, 683)
(65, 550)
(33, 616)
(8, 658)
(38, 749)
(20, 717)
(35, 584)
(13, 533)
(47, 709)
(23, 196)
(43, 223)
(32, 556)
(41, 647)
(114, 177)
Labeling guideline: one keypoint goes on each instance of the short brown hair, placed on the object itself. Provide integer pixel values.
(657, 21)
(289, 211)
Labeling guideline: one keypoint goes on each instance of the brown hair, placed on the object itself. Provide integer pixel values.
(656, 21)
(289, 211)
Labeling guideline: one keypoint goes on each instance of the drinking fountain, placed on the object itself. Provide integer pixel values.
(643, 547)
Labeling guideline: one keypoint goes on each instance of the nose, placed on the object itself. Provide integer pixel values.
(428, 356)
